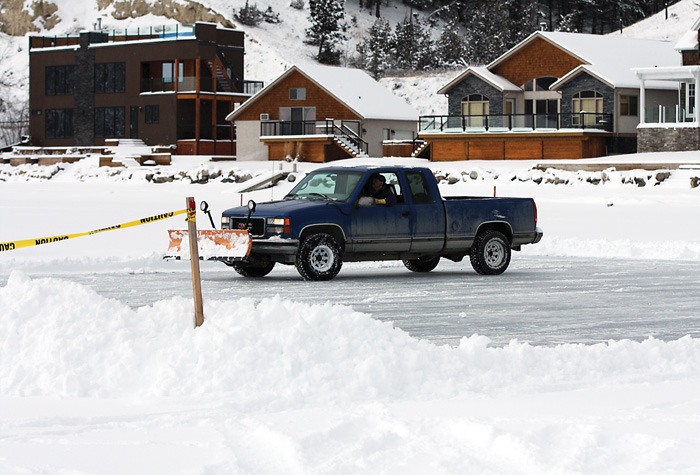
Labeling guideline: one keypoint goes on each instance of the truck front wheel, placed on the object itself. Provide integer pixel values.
(256, 269)
(422, 264)
(490, 254)
(319, 257)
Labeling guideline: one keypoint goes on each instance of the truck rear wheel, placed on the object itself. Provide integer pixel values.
(257, 269)
(490, 254)
(319, 257)
(422, 264)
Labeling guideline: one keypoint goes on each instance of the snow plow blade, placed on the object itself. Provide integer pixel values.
(214, 245)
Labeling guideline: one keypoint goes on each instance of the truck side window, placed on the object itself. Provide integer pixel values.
(391, 181)
(419, 188)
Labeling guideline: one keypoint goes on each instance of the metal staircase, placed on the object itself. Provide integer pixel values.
(223, 82)
(349, 146)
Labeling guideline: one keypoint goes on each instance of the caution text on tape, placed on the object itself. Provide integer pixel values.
(11, 245)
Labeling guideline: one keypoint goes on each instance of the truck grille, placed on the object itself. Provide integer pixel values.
(256, 226)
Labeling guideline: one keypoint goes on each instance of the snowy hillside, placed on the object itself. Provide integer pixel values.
(680, 18)
(272, 48)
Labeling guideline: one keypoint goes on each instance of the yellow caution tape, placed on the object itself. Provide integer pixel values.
(11, 245)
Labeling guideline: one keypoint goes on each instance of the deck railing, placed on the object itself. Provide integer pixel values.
(515, 122)
(347, 130)
(667, 115)
(126, 34)
(189, 84)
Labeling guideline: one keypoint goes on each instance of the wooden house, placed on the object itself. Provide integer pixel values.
(553, 95)
(675, 127)
(163, 85)
(319, 114)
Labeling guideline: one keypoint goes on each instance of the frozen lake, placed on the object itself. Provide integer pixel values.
(540, 300)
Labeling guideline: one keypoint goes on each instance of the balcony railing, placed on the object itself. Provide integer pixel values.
(667, 115)
(189, 84)
(515, 122)
(347, 131)
(126, 34)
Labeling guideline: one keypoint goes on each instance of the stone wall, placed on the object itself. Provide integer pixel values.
(585, 82)
(84, 113)
(474, 85)
(658, 139)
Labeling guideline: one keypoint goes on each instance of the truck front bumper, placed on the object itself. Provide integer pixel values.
(275, 249)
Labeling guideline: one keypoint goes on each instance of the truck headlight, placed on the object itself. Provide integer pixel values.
(225, 222)
(278, 226)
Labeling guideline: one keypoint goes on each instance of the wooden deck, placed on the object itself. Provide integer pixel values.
(515, 145)
(315, 149)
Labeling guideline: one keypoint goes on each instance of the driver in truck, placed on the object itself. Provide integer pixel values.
(381, 192)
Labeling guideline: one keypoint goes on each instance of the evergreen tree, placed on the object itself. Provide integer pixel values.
(375, 50)
(327, 28)
(412, 46)
(523, 18)
(487, 32)
(249, 15)
(451, 49)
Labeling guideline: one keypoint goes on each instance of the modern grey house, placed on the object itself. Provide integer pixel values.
(576, 95)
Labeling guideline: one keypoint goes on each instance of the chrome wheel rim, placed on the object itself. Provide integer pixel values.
(321, 258)
(494, 253)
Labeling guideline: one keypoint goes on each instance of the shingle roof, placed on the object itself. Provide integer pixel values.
(689, 41)
(610, 58)
(499, 82)
(353, 87)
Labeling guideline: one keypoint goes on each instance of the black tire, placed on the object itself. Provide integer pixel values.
(422, 264)
(490, 253)
(319, 257)
(257, 269)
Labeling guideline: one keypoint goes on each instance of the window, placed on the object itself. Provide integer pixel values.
(110, 77)
(629, 105)
(297, 93)
(419, 188)
(169, 73)
(690, 99)
(475, 107)
(59, 123)
(152, 114)
(587, 108)
(109, 122)
(60, 80)
(539, 84)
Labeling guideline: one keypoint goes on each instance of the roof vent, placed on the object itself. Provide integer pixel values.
(543, 26)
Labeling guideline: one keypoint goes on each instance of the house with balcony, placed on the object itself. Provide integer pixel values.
(320, 114)
(167, 86)
(554, 95)
(675, 127)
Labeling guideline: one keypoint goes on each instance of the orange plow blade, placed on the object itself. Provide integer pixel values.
(219, 245)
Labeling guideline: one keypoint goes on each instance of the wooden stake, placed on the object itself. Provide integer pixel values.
(194, 259)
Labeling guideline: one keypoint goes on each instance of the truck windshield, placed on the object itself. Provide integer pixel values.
(332, 185)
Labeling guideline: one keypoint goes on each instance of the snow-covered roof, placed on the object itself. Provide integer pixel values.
(499, 82)
(689, 41)
(607, 57)
(353, 87)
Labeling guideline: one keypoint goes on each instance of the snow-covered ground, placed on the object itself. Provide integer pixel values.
(268, 384)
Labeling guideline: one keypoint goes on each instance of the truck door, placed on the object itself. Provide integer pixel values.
(379, 228)
(427, 216)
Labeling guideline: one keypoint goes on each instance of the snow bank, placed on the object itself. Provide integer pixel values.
(62, 339)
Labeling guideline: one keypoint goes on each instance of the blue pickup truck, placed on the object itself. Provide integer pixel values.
(328, 219)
